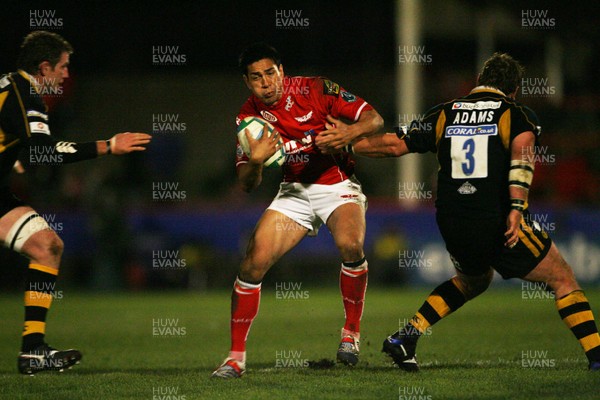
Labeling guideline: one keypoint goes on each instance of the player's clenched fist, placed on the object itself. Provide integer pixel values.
(127, 142)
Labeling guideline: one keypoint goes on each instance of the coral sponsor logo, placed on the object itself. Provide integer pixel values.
(461, 130)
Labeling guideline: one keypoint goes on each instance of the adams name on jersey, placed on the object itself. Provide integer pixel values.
(472, 136)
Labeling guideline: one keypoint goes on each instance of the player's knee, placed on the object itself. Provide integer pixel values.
(48, 251)
(52, 248)
(478, 287)
(252, 275)
(351, 249)
(558, 274)
(254, 267)
(563, 283)
(473, 286)
(56, 247)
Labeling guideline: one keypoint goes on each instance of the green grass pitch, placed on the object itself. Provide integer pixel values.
(164, 346)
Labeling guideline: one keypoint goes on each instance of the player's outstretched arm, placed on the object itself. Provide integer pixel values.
(339, 134)
(250, 173)
(123, 143)
(380, 146)
(71, 152)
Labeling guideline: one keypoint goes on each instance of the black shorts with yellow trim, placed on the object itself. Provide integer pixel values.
(8, 201)
(477, 244)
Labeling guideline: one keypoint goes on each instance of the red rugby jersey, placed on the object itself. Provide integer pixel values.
(299, 116)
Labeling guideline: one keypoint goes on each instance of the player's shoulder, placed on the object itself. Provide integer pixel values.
(27, 97)
(298, 80)
(437, 109)
(325, 85)
(523, 108)
(21, 82)
(12, 81)
(525, 112)
(300, 85)
(316, 82)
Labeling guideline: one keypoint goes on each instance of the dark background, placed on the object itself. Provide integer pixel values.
(110, 222)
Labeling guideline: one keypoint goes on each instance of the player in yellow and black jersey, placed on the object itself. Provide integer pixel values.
(25, 127)
(471, 137)
(485, 144)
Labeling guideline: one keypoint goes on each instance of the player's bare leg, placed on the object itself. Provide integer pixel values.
(444, 300)
(347, 226)
(571, 302)
(269, 242)
(554, 271)
(22, 230)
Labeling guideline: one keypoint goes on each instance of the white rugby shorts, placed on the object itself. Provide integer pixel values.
(311, 204)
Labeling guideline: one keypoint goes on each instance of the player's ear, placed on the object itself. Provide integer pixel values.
(247, 81)
(280, 69)
(44, 67)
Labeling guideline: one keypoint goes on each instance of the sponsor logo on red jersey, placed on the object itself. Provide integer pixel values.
(268, 116)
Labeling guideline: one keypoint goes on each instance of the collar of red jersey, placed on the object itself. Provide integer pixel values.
(483, 88)
(31, 80)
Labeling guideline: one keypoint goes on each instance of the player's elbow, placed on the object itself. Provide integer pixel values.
(247, 179)
(373, 122)
(248, 185)
(378, 122)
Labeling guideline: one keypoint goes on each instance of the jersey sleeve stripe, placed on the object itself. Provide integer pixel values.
(439, 128)
(504, 128)
(3, 147)
(359, 111)
(36, 114)
(22, 106)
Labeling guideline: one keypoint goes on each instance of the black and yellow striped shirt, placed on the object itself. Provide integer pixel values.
(472, 137)
(24, 124)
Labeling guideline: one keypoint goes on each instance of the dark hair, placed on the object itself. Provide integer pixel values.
(501, 71)
(40, 46)
(256, 52)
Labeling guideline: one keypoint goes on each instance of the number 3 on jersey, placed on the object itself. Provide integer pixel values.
(469, 156)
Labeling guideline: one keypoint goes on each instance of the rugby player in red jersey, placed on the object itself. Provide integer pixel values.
(317, 189)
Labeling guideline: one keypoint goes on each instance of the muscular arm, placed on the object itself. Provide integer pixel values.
(250, 173)
(339, 134)
(369, 123)
(69, 152)
(381, 145)
(522, 150)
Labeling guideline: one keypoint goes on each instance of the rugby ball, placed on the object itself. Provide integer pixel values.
(255, 126)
